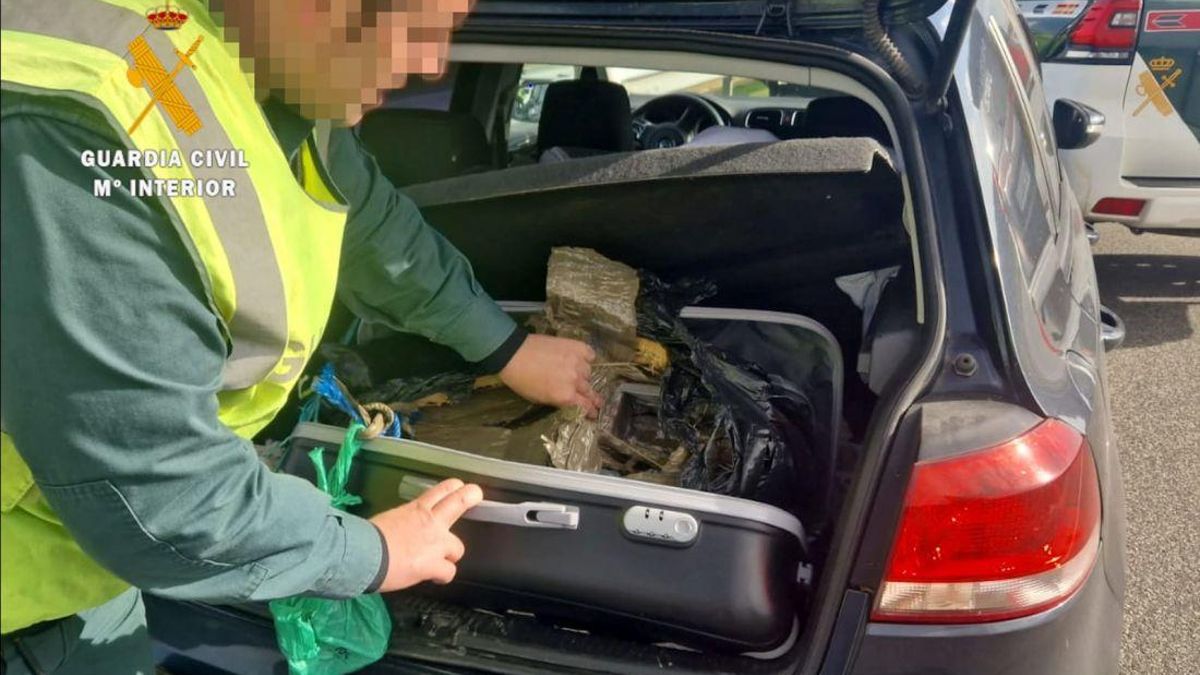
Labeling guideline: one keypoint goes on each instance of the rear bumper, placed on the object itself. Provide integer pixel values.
(1082, 636)
(1168, 208)
(1094, 174)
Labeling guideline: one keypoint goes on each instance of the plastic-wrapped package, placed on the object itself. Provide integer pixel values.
(573, 441)
(493, 421)
(592, 298)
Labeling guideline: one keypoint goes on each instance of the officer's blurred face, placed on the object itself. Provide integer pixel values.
(333, 58)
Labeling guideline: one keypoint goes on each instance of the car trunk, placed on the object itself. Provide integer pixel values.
(774, 226)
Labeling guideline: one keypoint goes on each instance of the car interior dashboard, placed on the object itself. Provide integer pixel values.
(546, 114)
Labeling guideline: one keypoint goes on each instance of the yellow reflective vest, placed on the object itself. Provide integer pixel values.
(268, 254)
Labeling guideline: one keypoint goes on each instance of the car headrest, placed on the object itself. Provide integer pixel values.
(418, 146)
(588, 114)
(845, 116)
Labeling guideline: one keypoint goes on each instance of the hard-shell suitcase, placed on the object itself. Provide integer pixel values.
(660, 563)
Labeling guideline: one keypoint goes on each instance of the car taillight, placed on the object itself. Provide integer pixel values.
(996, 533)
(1108, 30)
(1119, 206)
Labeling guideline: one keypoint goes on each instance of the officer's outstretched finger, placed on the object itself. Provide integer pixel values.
(453, 505)
(437, 493)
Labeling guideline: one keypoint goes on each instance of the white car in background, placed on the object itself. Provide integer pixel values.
(1131, 67)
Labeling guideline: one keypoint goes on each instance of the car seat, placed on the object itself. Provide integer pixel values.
(584, 117)
(418, 146)
(845, 117)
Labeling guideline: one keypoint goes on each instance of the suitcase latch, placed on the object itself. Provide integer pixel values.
(660, 526)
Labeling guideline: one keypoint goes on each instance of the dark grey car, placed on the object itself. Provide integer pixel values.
(979, 525)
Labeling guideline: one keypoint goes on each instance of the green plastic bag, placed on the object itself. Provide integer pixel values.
(333, 637)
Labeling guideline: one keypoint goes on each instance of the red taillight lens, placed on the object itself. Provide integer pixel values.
(1107, 30)
(996, 533)
(1116, 206)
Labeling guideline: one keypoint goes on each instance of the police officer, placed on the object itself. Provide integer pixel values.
(147, 339)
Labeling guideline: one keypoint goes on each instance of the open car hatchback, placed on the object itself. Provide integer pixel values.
(873, 186)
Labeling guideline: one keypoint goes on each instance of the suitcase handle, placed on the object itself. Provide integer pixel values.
(519, 514)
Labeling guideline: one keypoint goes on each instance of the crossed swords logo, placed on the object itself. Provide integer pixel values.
(149, 71)
(1156, 91)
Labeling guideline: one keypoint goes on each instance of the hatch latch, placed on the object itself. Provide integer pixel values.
(775, 12)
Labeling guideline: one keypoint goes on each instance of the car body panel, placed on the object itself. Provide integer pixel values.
(1074, 638)
(1028, 211)
(1098, 170)
(1149, 147)
(1053, 309)
(1048, 285)
(1159, 141)
(1169, 45)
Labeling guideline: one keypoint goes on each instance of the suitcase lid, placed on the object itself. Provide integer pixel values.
(562, 479)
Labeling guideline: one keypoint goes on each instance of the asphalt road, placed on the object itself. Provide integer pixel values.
(1153, 283)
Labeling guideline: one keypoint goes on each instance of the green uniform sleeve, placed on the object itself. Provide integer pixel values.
(399, 271)
(111, 362)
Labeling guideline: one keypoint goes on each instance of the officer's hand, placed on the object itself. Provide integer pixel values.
(554, 371)
(420, 544)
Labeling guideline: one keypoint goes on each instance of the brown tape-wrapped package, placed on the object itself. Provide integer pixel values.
(594, 299)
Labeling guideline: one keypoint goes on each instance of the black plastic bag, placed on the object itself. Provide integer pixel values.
(659, 304)
(749, 433)
(348, 364)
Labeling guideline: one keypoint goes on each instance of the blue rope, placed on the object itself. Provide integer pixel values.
(326, 388)
(394, 430)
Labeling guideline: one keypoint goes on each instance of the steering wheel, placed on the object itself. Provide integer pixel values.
(672, 120)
